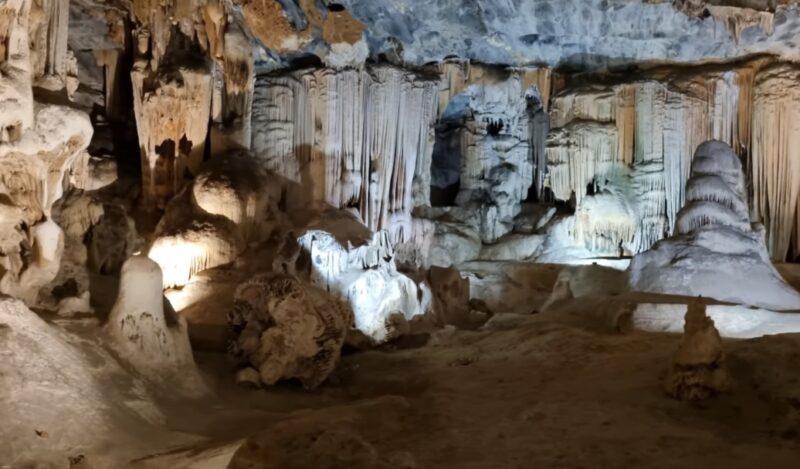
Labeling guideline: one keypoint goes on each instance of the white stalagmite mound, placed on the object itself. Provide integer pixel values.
(365, 276)
(716, 252)
(147, 333)
(287, 330)
(698, 371)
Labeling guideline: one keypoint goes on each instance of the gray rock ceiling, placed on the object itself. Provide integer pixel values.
(588, 34)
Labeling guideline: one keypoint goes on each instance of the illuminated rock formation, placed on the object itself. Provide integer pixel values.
(365, 277)
(284, 330)
(715, 251)
(148, 334)
(492, 119)
(647, 129)
(211, 222)
(698, 371)
(190, 240)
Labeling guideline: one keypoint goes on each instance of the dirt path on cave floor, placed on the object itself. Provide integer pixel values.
(540, 394)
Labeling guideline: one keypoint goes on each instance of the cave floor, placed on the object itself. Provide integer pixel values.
(531, 392)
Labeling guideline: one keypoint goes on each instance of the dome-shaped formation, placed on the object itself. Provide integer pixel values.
(716, 252)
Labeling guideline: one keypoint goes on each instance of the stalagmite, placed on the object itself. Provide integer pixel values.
(284, 329)
(715, 251)
(232, 186)
(190, 240)
(148, 334)
(698, 371)
(775, 159)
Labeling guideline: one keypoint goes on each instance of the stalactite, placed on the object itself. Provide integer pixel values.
(648, 167)
(232, 102)
(589, 104)
(109, 59)
(352, 138)
(52, 66)
(606, 223)
(578, 155)
(16, 95)
(744, 82)
(172, 108)
(775, 161)
(625, 118)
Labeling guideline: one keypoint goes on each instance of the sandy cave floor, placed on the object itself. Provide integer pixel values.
(532, 393)
(561, 389)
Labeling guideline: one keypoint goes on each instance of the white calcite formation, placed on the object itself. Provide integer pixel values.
(190, 240)
(698, 371)
(635, 140)
(493, 138)
(35, 171)
(350, 138)
(147, 333)
(365, 277)
(284, 329)
(716, 252)
(39, 144)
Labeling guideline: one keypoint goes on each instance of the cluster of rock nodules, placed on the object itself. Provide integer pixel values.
(716, 251)
(698, 370)
(286, 329)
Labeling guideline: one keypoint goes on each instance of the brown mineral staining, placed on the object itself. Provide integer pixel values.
(340, 26)
(270, 25)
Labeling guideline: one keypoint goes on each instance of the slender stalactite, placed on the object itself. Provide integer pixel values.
(351, 138)
(775, 162)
